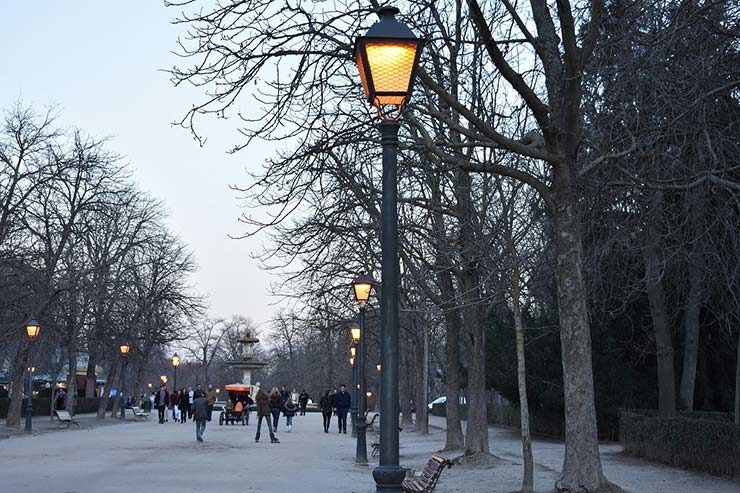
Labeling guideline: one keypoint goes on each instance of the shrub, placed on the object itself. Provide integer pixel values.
(708, 442)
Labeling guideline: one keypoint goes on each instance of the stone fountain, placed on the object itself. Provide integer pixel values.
(248, 363)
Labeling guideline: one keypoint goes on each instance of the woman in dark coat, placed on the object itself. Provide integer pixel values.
(326, 404)
(276, 405)
(184, 405)
(289, 410)
(263, 412)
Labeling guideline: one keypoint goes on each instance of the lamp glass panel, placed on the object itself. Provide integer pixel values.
(355, 330)
(175, 360)
(32, 330)
(353, 351)
(362, 291)
(363, 75)
(351, 362)
(124, 349)
(391, 65)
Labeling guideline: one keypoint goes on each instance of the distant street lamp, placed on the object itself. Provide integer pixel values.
(387, 58)
(33, 329)
(362, 286)
(124, 349)
(163, 378)
(175, 363)
(353, 391)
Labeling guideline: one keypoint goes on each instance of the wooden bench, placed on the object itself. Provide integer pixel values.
(370, 424)
(140, 413)
(65, 418)
(429, 476)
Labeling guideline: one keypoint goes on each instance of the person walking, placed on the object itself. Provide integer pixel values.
(200, 413)
(326, 406)
(289, 411)
(190, 394)
(264, 411)
(183, 405)
(211, 396)
(174, 405)
(276, 405)
(284, 395)
(161, 400)
(342, 403)
(303, 402)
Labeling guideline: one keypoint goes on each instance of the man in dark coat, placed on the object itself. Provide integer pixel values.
(200, 413)
(303, 402)
(161, 401)
(342, 403)
(263, 411)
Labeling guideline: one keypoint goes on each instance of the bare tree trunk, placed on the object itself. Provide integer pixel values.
(737, 385)
(17, 376)
(421, 385)
(528, 478)
(454, 439)
(654, 269)
(476, 432)
(691, 341)
(407, 418)
(91, 380)
(582, 471)
(109, 381)
(71, 379)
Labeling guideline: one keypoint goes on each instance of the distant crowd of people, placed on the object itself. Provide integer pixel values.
(197, 404)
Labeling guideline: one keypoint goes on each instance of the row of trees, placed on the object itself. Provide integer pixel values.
(86, 253)
(568, 186)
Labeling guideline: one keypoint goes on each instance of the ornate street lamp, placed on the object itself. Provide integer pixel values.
(33, 329)
(387, 58)
(175, 364)
(353, 390)
(124, 349)
(362, 286)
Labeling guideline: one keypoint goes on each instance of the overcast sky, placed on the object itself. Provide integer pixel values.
(100, 64)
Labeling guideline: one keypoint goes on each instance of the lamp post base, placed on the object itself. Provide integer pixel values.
(389, 478)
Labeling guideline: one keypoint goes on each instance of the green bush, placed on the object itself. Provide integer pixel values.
(707, 442)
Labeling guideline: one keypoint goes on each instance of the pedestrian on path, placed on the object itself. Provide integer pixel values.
(200, 413)
(211, 396)
(289, 411)
(342, 402)
(303, 401)
(190, 393)
(326, 409)
(276, 405)
(174, 401)
(183, 405)
(264, 411)
(160, 402)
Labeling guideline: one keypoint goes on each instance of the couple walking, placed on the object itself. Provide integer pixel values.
(339, 403)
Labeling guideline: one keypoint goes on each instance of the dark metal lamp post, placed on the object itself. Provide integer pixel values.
(175, 363)
(362, 287)
(124, 348)
(352, 361)
(387, 58)
(33, 329)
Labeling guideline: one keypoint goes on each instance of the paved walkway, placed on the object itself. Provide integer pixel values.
(147, 456)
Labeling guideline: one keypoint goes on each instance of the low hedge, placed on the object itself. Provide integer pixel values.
(42, 406)
(707, 442)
